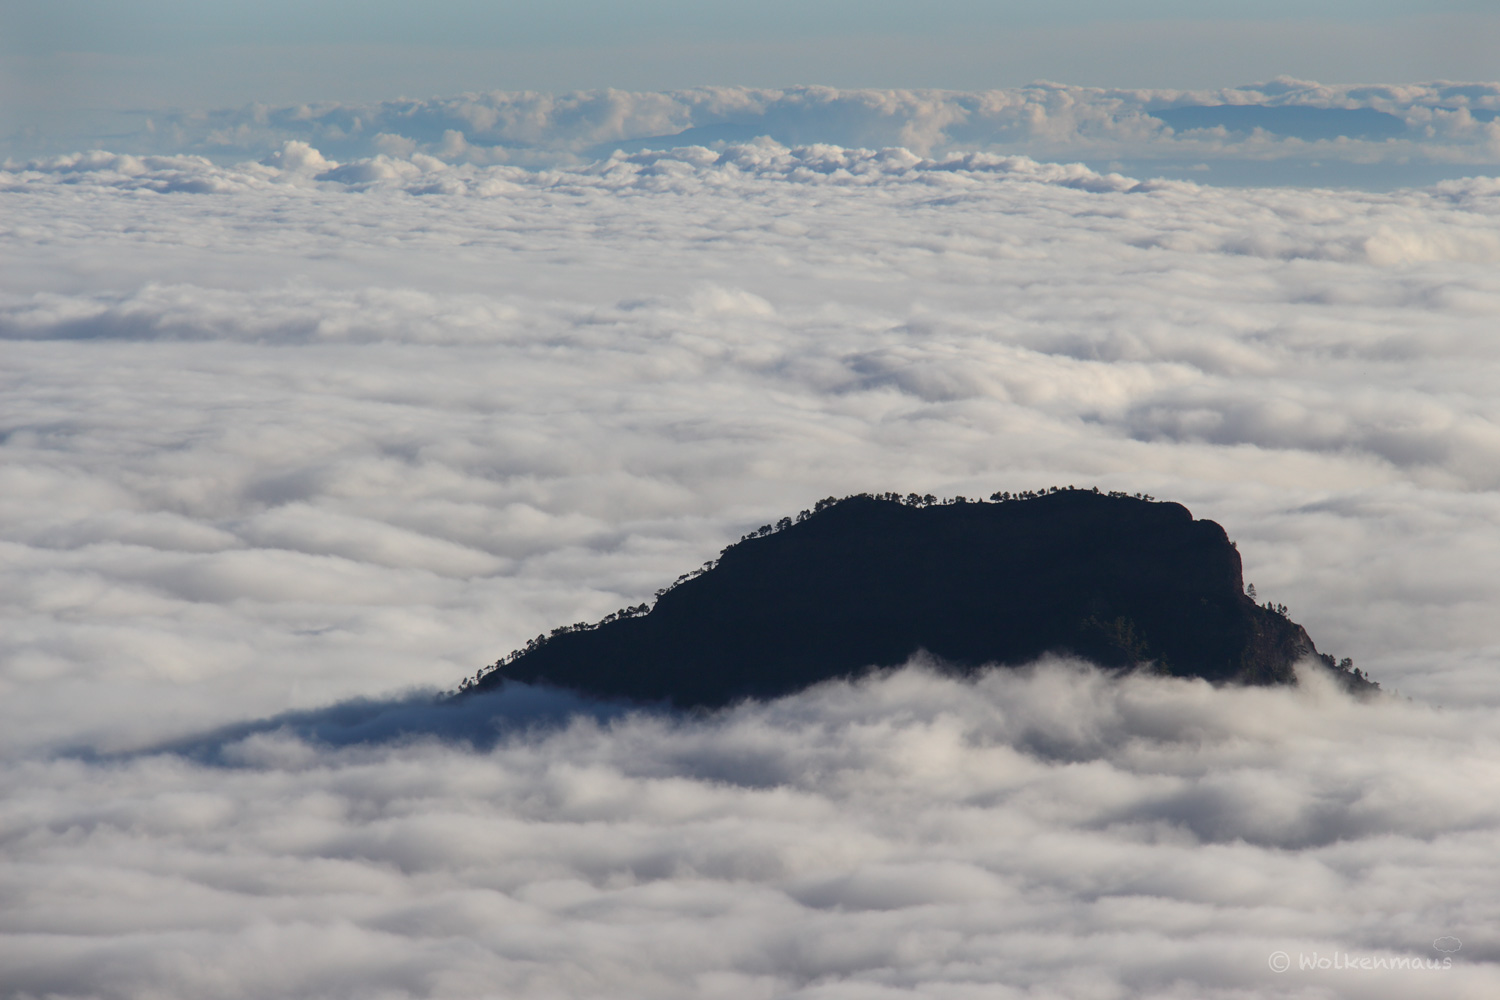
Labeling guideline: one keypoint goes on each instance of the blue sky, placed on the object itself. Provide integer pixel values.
(69, 68)
(166, 25)
(188, 52)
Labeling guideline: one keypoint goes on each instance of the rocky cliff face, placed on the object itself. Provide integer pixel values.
(867, 582)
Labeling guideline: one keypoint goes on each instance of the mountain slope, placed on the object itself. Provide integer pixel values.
(869, 581)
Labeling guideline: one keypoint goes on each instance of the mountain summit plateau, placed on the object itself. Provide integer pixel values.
(869, 581)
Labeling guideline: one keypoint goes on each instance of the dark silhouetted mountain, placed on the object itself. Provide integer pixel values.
(869, 581)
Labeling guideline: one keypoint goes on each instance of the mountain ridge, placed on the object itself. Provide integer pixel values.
(868, 581)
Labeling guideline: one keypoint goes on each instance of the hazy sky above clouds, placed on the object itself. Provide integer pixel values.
(69, 64)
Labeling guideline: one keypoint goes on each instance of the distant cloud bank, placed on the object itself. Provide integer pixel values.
(1283, 131)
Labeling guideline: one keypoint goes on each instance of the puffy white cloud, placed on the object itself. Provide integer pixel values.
(1025, 834)
(282, 434)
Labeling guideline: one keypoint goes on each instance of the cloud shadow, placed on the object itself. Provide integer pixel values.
(479, 720)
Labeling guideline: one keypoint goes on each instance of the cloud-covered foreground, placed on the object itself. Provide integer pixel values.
(1280, 131)
(1030, 834)
(281, 435)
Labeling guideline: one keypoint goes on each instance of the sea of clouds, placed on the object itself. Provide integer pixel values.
(282, 435)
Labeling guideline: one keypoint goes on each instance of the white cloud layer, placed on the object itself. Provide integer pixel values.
(1038, 834)
(281, 434)
(1419, 132)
